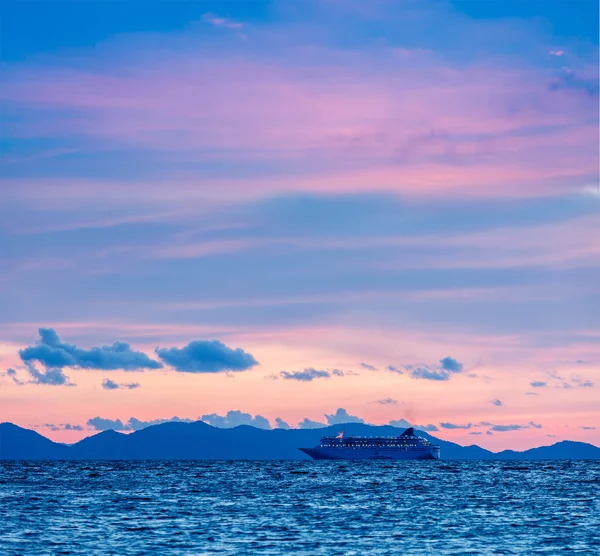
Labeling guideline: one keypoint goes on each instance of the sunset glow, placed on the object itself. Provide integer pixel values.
(285, 209)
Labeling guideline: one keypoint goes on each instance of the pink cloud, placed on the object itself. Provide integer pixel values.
(427, 124)
(240, 104)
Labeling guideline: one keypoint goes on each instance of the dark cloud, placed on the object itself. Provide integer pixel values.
(427, 373)
(531, 394)
(508, 428)
(585, 428)
(309, 374)
(206, 356)
(428, 428)
(538, 384)
(581, 382)
(497, 403)
(308, 424)
(447, 367)
(63, 426)
(368, 367)
(13, 375)
(386, 401)
(342, 416)
(137, 424)
(400, 423)
(109, 384)
(575, 381)
(197, 357)
(452, 426)
(281, 424)
(492, 427)
(404, 424)
(235, 418)
(53, 353)
(102, 424)
(452, 365)
(395, 369)
(50, 377)
(505, 428)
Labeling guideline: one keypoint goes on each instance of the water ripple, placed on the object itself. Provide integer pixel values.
(307, 507)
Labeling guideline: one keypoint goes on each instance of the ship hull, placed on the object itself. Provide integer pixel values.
(372, 454)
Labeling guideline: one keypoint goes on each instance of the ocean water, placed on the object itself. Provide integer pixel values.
(299, 507)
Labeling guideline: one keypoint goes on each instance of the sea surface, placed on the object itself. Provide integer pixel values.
(300, 507)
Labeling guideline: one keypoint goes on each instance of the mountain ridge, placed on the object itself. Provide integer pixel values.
(199, 440)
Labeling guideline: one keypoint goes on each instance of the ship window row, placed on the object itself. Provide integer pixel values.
(372, 437)
(354, 446)
(382, 443)
(375, 445)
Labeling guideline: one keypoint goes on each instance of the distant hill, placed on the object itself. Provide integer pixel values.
(18, 443)
(567, 450)
(202, 441)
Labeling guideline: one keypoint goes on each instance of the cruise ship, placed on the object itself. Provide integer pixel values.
(406, 446)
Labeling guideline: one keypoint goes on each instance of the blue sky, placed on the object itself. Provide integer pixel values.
(316, 184)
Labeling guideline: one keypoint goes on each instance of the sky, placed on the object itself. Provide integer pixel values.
(301, 213)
